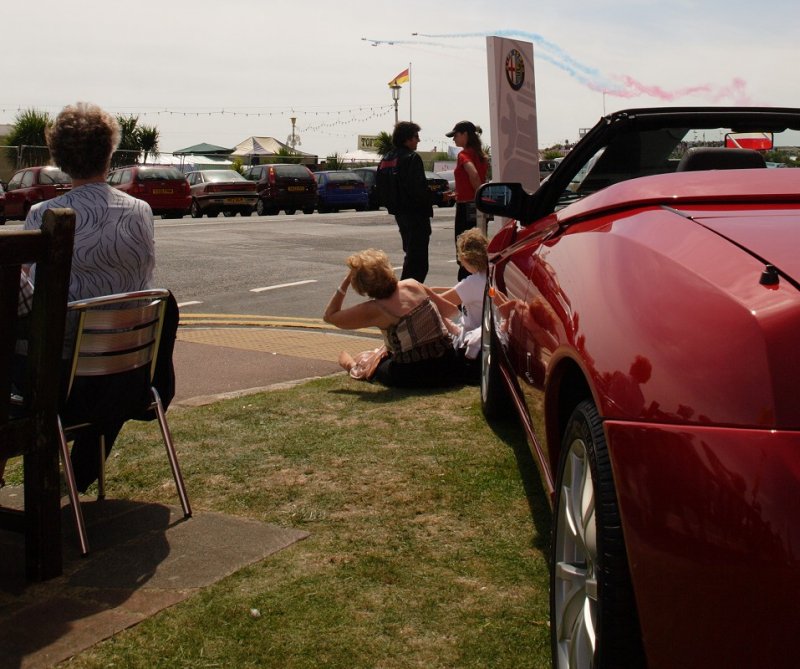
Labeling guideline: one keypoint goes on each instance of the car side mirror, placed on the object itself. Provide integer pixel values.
(502, 199)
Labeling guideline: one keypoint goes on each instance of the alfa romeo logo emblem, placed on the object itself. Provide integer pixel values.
(515, 69)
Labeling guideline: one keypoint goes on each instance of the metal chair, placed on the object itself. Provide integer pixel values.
(117, 334)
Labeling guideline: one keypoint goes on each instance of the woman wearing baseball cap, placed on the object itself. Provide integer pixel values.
(470, 172)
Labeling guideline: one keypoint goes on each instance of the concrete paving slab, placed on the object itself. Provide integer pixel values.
(144, 557)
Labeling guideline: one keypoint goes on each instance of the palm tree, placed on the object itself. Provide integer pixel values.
(148, 140)
(129, 145)
(384, 143)
(27, 133)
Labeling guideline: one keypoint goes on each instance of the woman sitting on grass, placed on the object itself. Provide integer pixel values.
(418, 349)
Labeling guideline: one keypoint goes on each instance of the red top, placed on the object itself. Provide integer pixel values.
(464, 190)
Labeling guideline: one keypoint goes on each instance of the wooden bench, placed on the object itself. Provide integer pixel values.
(31, 430)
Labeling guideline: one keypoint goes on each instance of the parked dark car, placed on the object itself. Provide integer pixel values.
(367, 175)
(286, 187)
(31, 185)
(163, 187)
(438, 186)
(340, 189)
(215, 191)
(641, 319)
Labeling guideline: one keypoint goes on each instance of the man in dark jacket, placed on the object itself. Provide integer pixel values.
(403, 190)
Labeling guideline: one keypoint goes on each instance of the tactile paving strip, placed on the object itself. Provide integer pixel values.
(298, 343)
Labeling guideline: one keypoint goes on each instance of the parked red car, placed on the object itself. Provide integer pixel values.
(31, 185)
(164, 188)
(215, 191)
(641, 318)
(2, 203)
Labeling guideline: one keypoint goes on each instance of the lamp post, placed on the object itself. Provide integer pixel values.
(396, 98)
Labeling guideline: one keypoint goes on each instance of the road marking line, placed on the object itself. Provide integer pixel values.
(188, 304)
(282, 285)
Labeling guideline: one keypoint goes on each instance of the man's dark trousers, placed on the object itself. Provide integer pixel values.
(415, 231)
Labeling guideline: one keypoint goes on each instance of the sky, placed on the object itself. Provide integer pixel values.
(222, 71)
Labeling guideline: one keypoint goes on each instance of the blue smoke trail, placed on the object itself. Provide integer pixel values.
(624, 86)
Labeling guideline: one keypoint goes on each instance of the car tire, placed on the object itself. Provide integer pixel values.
(290, 212)
(308, 211)
(496, 402)
(195, 210)
(260, 208)
(593, 618)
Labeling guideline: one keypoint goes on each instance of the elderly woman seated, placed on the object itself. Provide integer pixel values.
(418, 336)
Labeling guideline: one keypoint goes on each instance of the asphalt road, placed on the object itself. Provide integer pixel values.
(281, 265)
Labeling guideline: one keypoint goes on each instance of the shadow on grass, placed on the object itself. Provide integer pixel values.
(511, 433)
(378, 394)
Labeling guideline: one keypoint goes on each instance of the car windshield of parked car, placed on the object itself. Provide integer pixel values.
(159, 173)
(342, 177)
(222, 175)
(300, 171)
(53, 175)
(637, 152)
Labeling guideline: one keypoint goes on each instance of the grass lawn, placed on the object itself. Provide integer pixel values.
(428, 533)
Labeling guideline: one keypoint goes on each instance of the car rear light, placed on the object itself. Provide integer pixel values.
(271, 175)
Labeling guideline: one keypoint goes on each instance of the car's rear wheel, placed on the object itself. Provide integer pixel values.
(495, 398)
(290, 211)
(593, 619)
(308, 210)
(260, 208)
(195, 210)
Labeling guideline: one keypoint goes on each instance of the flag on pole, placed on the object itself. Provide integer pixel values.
(400, 78)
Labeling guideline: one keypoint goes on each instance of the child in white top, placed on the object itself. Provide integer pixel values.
(471, 250)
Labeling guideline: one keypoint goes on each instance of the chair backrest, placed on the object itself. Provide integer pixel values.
(719, 158)
(51, 249)
(117, 333)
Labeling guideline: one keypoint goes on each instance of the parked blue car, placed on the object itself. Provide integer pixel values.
(340, 189)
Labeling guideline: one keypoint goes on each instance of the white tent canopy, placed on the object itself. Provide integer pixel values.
(257, 147)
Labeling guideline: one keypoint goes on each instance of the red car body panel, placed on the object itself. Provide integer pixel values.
(35, 189)
(693, 364)
(708, 512)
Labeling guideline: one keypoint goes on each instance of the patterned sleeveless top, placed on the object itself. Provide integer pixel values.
(114, 248)
(419, 335)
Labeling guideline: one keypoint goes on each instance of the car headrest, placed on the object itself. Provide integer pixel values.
(719, 158)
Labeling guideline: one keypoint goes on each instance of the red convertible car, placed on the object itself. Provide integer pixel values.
(642, 317)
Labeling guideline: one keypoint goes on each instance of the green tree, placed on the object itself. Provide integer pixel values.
(384, 143)
(148, 140)
(27, 133)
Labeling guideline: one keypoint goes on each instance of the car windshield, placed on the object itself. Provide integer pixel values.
(53, 175)
(222, 175)
(641, 143)
(159, 173)
(340, 177)
(300, 171)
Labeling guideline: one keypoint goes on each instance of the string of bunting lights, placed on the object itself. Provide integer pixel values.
(337, 117)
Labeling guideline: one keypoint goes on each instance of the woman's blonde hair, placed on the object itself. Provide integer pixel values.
(471, 246)
(372, 274)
